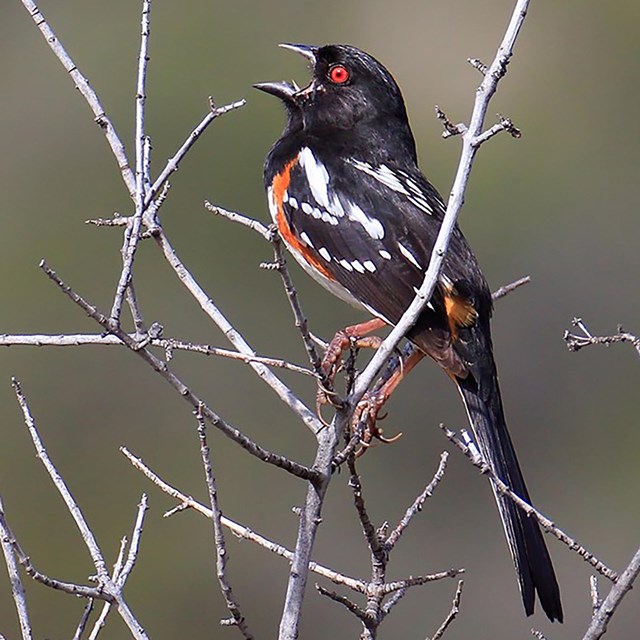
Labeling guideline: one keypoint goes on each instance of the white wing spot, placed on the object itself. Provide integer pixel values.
(369, 266)
(382, 174)
(346, 264)
(372, 226)
(317, 176)
(293, 203)
(335, 207)
(327, 217)
(307, 208)
(304, 236)
(385, 254)
(357, 266)
(325, 254)
(421, 203)
(408, 255)
(285, 196)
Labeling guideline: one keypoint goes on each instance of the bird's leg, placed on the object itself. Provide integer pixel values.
(369, 407)
(353, 337)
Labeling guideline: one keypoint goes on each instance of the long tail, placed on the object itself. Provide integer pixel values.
(481, 396)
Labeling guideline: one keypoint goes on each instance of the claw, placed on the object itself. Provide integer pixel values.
(390, 440)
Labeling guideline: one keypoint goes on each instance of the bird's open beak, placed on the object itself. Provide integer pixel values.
(306, 50)
(287, 91)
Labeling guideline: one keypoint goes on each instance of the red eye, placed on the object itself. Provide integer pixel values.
(338, 74)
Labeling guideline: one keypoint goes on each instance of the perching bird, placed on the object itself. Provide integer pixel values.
(354, 209)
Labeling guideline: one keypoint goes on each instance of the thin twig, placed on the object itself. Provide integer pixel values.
(168, 344)
(596, 602)
(292, 296)
(134, 308)
(543, 521)
(161, 368)
(17, 589)
(82, 624)
(107, 589)
(173, 164)
(61, 486)
(371, 536)
(250, 223)
(121, 575)
(450, 129)
(455, 610)
(101, 620)
(307, 416)
(508, 288)
(241, 531)
(132, 233)
(352, 607)
(83, 86)
(418, 581)
(417, 505)
(218, 534)
(575, 341)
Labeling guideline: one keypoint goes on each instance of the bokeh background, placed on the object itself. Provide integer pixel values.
(561, 204)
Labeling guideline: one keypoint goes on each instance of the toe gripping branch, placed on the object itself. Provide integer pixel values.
(364, 424)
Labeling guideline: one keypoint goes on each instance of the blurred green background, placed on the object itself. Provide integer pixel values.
(560, 204)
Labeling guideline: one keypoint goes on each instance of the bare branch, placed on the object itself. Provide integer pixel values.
(623, 585)
(394, 536)
(345, 602)
(477, 64)
(595, 594)
(121, 575)
(575, 341)
(310, 517)
(283, 392)
(168, 344)
(508, 288)
(450, 129)
(455, 610)
(86, 614)
(543, 521)
(218, 534)
(241, 531)
(132, 233)
(161, 367)
(83, 86)
(371, 535)
(58, 481)
(292, 295)
(107, 589)
(7, 541)
(418, 581)
(250, 223)
(174, 163)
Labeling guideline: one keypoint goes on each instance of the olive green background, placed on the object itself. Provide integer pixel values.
(561, 204)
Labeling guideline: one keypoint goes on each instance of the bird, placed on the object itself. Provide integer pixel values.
(354, 209)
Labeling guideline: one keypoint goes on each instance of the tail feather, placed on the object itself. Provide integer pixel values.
(526, 544)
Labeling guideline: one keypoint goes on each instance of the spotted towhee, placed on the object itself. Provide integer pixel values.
(356, 212)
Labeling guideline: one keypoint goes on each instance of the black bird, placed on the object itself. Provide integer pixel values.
(354, 209)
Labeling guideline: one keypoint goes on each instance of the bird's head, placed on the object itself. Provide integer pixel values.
(348, 87)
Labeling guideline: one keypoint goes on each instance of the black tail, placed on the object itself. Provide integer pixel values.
(481, 396)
